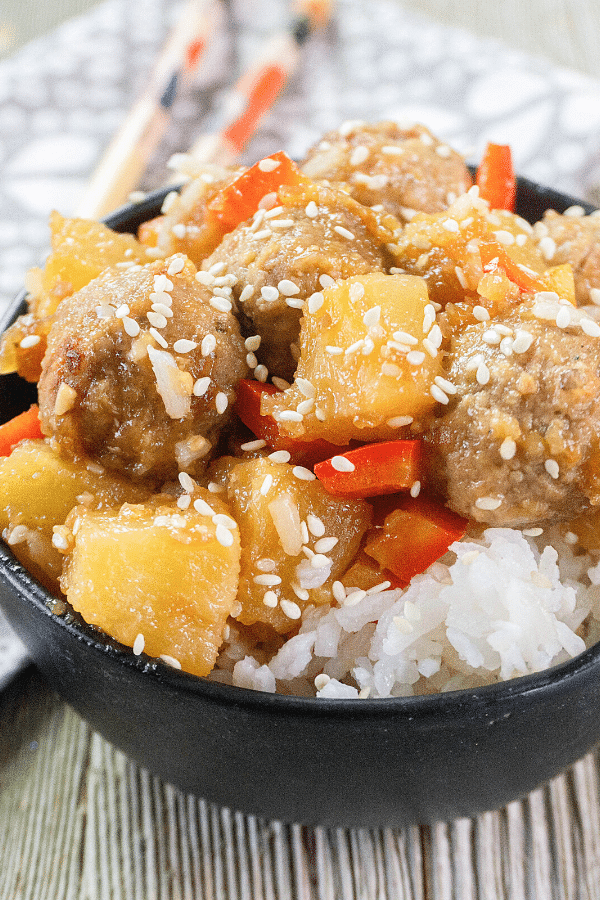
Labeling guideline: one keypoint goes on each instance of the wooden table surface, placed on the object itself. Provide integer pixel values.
(78, 821)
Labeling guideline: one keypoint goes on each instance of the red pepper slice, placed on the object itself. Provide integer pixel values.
(383, 468)
(493, 255)
(239, 200)
(414, 536)
(496, 177)
(247, 406)
(25, 425)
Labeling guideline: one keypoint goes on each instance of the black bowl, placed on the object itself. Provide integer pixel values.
(386, 762)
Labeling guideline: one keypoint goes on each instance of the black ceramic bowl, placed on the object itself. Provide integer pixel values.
(335, 762)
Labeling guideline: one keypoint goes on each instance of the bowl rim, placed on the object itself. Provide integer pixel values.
(422, 706)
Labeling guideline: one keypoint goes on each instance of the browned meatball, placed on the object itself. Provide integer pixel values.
(140, 371)
(520, 442)
(575, 240)
(282, 257)
(404, 169)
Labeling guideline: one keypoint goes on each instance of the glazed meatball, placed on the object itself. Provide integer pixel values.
(284, 255)
(404, 169)
(140, 371)
(519, 443)
(575, 240)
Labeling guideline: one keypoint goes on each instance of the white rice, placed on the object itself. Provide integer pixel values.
(496, 607)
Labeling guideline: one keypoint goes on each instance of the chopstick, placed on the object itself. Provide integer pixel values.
(125, 159)
(257, 90)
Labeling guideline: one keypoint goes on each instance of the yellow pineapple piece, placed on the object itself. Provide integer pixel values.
(368, 360)
(279, 514)
(152, 569)
(38, 489)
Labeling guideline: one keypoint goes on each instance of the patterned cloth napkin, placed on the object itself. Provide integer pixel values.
(63, 96)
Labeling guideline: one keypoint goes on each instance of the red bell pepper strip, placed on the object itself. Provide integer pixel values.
(373, 469)
(25, 425)
(494, 256)
(414, 536)
(247, 406)
(496, 178)
(239, 200)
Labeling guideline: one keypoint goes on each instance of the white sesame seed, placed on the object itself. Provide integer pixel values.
(315, 525)
(445, 385)
(399, 421)
(380, 588)
(311, 209)
(176, 265)
(326, 281)
(552, 468)
(343, 232)
(415, 357)
(522, 341)
(280, 456)
(333, 351)
(204, 278)
(506, 346)
(221, 402)
(280, 383)
(290, 415)
(322, 680)
(324, 545)
(438, 394)
(563, 317)
(393, 150)
(533, 532)
(269, 292)
(415, 489)
(431, 349)
(461, 277)
(184, 346)
(282, 223)
(209, 342)
(267, 580)
(265, 233)
(221, 304)
(301, 593)
(201, 386)
(224, 536)
(253, 445)
(270, 599)
(435, 336)
(288, 288)
(168, 202)
(481, 313)
(261, 373)
(356, 292)
(342, 464)
(184, 501)
(186, 482)
(251, 361)
(359, 155)
(216, 488)
(488, 503)
(162, 283)
(291, 609)
(131, 327)
(202, 507)
(138, 645)
(354, 597)
(157, 337)
(252, 343)
(355, 347)
(268, 165)
(595, 296)
(547, 246)
(306, 387)
(273, 211)
(339, 591)
(315, 302)
(246, 293)
(508, 448)
(589, 327)
(30, 340)
(303, 474)
(451, 225)
(491, 337)
(163, 309)
(179, 230)
(170, 661)
(571, 537)
(483, 374)
(122, 311)
(506, 238)
(266, 485)
(305, 406)
(372, 316)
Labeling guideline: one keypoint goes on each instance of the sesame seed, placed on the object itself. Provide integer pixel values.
(443, 150)
(533, 532)
(405, 338)
(253, 445)
(415, 489)
(339, 591)
(184, 346)
(202, 507)
(399, 421)
(488, 503)
(186, 482)
(305, 406)
(595, 296)
(246, 293)
(508, 448)
(156, 319)
(176, 265)
(588, 326)
(359, 155)
(357, 291)
(294, 303)
(315, 525)
(372, 316)
(168, 202)
(288, 288)
(204, 278)
(201, 386)
(522, 341)
(261, 373)
(326, 544)
(491, 337)
(354, 597)
(30, 340)
(268, 165)
(209, 342)
(290, 415)
(162, 283)
(216, 488)
(322, 680)
(435, 336)
(311, 209)
(251, 361)
(380, 588)
(138, 645)
(342, 464)
(461, 277)
(170, 661)
(334, 351)
(184, 501)
(415, 357)
(343, 232)
(506, 238)
(291, 609)
(438, 394)
(451, 225)
(179, 230)
(315, 302)
(163, 309)
(224, 536)
(563, 317)
(266, 485)
(445, 385)
(221, 402)
(265, 233)
(273, 211)
(552, 468)
(303, 474)
(131, 327)
(481, 313)
(280, 456)
(252, 343)
(506, 346)
(267, 580)
(221, 304)
(157, 337)
(306, 387)
(431, 349)
(483, 374)
(547, 246)
(270, 293)
(570, 537)
(326, 281)
(270, 599)
(355, 347)
(281, 383)
(301, 593)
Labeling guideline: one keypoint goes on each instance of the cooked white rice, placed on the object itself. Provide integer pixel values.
(496, 607)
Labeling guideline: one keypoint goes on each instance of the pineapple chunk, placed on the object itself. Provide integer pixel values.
(155, 570)
(38, 489)
(277, 579)
(363, 361)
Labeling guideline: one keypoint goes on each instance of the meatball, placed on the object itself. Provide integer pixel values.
(140, 371)
(404, 169)
(286, 254)
(575, 240)
(519, 444)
